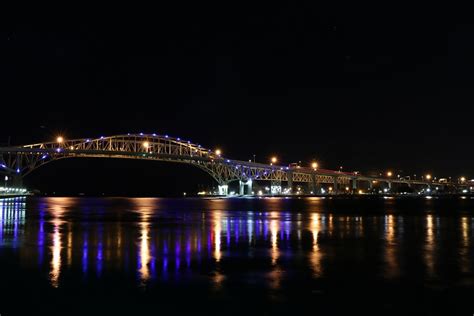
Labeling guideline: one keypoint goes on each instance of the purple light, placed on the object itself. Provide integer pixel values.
(154, 134)
(44, 156)
(58, 150)
(189, 142)
(178, 138)
(166, 136)
(101, 137)
(141, 134)
(287, 168)
(88, 140)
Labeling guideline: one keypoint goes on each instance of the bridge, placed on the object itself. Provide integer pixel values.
(18, 161)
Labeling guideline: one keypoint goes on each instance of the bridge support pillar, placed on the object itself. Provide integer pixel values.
(312, 185)
(249, 187)
(290, 182)
(223, 189)
(275, 187)
(354, 186)
(334, 190)
(242, 186)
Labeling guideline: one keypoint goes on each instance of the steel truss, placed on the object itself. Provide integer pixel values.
(22, 160)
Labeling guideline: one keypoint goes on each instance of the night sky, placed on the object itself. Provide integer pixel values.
(368, 92)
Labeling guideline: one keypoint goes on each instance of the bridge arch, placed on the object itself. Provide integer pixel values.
(20, 161)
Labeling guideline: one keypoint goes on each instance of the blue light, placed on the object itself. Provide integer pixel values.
(228, 160)
(44, 156)
(58, 150)
(287, 168)
(178, 138)
(166, 136)
(154, 134)
(17, 170)
(3, 166)
(141, 134)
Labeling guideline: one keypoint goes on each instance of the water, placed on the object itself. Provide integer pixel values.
(236, 256)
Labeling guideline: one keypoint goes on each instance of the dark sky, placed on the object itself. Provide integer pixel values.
(369, 92)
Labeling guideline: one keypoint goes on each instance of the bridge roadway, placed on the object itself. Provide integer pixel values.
(19, 161)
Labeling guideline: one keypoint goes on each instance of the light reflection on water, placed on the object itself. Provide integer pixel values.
(94, 237)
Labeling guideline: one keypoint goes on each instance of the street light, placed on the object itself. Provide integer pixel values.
(428, 177)
(274, 160)
(463, 179)
(218, 152)
(146, 145)
(60, 139)
(389, 173)
(314, 165)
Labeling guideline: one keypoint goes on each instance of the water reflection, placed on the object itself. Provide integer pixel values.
(391, 246)
(56, 255)
(274, 231)
(430, 245)
(12, 221)
(144, 252)
(155, 243)
(465, 243)
(316, 254)
(217, 235)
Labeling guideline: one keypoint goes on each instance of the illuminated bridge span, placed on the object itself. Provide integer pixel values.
(21, 160)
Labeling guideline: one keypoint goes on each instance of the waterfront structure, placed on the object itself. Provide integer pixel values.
(18, 161)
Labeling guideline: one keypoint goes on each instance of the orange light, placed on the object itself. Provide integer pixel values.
(60, 139)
